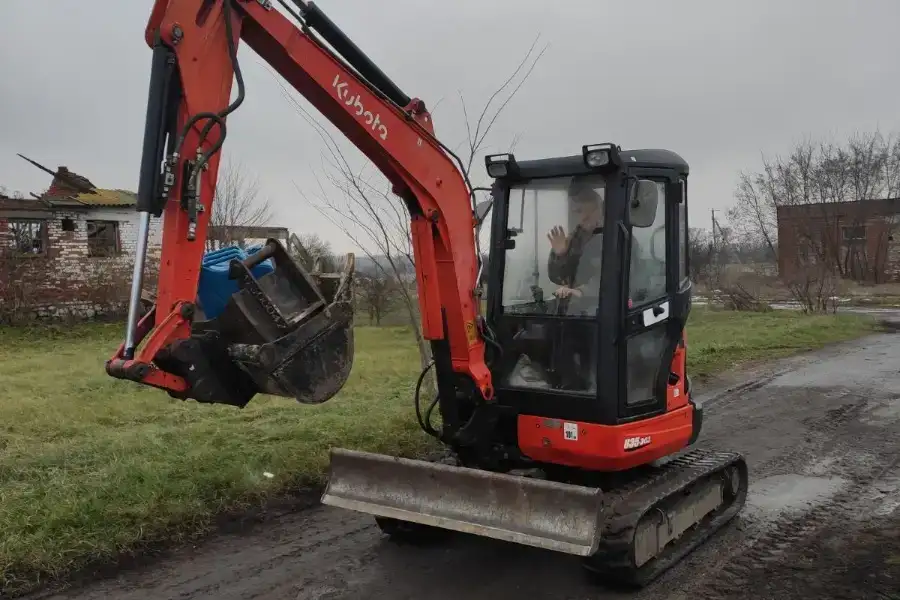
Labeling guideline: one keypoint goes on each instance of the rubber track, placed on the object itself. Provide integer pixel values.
(614, 560)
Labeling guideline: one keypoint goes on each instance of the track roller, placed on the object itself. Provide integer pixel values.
(658, 520)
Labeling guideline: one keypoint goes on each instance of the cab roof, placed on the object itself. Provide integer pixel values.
(574, 165)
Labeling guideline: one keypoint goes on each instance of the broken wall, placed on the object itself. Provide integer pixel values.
(79, 262)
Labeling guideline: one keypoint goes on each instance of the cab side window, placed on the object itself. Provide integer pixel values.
(647, 274)
(647, 282)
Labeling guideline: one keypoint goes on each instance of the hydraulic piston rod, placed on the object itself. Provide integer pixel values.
(150, 197)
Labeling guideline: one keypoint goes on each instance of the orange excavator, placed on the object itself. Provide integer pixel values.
(562, 390)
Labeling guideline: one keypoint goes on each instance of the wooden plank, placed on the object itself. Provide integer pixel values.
(246, 232)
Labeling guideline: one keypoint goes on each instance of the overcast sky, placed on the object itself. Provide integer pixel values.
(717, 81)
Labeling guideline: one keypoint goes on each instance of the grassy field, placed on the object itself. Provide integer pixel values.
(721, 340)
(92, 467)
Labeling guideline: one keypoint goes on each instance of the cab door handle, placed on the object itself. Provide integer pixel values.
(654, 315)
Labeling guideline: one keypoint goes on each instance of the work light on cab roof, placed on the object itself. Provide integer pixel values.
(597, 156)
(500, 165)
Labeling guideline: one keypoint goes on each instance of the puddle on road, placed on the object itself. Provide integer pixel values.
(882, 498)
(872, 366)
(779, 496)
(881, 413)
(823, 466)
(889, 505)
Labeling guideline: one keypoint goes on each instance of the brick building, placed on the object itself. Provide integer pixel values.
(68, 251)
(859, 240)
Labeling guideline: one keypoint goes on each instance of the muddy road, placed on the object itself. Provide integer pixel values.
(822, 437)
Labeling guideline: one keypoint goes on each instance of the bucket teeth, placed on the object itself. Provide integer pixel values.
(534, 512)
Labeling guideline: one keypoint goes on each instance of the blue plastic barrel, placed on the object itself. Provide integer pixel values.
(215, 288)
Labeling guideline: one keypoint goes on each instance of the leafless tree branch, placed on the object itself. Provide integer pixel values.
(363, 206)
(819, 190)
(237, 203)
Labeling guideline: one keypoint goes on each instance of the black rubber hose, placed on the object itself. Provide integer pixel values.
(425, 423)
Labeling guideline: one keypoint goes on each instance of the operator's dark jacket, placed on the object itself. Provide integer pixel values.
(562, 268)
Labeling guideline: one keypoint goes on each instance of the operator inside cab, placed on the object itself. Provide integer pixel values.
(565, 358)
(575, 260)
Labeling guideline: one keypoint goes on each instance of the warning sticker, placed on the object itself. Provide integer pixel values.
(471, 333)
(570, 431)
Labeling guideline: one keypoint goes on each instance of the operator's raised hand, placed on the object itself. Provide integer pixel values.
(566, 292)
(558, 242)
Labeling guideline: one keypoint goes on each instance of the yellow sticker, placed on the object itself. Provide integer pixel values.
(471, 333)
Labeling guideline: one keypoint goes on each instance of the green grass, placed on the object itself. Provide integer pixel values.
(92, 467)
(719, 340)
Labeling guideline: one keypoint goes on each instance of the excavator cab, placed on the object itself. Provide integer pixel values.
(591, 331)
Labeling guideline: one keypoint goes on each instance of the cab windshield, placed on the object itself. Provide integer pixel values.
(557, 226)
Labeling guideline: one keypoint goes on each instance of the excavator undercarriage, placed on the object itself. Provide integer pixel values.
(565, 403)
(628, 529)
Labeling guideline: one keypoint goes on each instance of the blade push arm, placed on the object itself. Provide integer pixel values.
(194, 66)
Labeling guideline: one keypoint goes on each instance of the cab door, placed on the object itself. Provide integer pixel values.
(655, 308)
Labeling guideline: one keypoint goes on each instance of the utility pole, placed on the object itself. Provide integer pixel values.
(715, 249)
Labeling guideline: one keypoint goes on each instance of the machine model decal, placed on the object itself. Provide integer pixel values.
(570, 431)
(353, 101)
(633, 443)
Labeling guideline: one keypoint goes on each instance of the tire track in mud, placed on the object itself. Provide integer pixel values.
(313, 544)
(744, 532)
(734, 576)
(732, 395)
(731, 571)
(241, 565)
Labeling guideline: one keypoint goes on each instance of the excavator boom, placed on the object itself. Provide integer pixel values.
(194, 64)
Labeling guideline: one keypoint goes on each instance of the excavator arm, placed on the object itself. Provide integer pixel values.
(286, 316)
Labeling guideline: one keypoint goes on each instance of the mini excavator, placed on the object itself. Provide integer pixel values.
(568, 417)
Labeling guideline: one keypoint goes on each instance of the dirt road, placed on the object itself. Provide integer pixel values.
(822, 436)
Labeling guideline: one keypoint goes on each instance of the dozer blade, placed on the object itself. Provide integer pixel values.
(533, 512)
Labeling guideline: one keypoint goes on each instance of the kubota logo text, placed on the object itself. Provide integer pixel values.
(356, 105)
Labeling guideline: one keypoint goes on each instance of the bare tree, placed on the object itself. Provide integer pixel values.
(368, 214)
(14, 194)
(700, 248)
(816, 194)
(362, 204)
(313, 252)
(237, 204)
(376, 293)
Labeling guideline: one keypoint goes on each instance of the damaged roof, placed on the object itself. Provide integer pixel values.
(95, 198)
(71, 190)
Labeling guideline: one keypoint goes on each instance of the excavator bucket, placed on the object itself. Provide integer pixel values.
(274, 328)
(534, 512)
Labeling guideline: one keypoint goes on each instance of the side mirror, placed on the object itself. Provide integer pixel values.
(643, 198)
(481, 211)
